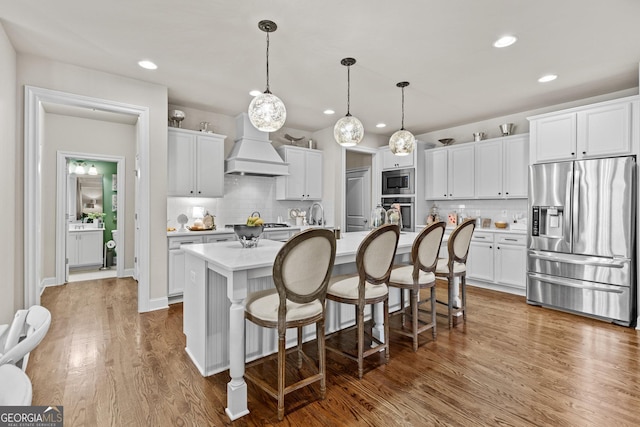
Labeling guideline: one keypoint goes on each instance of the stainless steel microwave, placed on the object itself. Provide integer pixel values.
(398, 181)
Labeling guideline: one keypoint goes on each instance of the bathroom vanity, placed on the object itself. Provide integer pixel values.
(84, 246)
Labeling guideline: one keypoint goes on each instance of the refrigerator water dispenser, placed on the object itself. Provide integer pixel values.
(548, 221)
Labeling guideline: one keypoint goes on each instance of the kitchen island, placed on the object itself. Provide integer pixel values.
(218, 277)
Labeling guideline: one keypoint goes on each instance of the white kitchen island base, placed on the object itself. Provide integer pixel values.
(218, 277)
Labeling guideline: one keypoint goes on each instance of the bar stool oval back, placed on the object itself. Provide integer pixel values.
(419, 275)
(301, 274)
(374, 260)
(456, 266)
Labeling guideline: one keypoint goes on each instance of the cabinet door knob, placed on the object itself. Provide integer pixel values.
(199, 192)
(499, 194)
(191, 191)
(573, 154)
(584, 152)
(507, 193)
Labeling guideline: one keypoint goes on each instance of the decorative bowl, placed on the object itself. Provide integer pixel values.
(447, 141)
(500, 224)
(248, 235)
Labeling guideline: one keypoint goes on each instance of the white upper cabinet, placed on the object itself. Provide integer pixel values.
(304, 181)
(599, 130)
(449, 172)
(195, 163)
(489, 171)
(391, 161)
(501, 167)
(436, 176)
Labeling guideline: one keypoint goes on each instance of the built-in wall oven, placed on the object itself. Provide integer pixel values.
(407, 210)
(398, 182)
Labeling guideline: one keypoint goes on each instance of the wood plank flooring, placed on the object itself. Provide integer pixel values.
(511, 364)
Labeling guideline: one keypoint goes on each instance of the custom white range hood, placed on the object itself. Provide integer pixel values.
(252, 153)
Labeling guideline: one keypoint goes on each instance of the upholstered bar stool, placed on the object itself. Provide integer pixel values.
(419, 275)
(301, 274)
(374, 260)
(456, 266)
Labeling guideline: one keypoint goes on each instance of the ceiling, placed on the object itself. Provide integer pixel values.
(210, 53)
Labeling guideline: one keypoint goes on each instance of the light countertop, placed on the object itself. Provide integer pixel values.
(223, 230)
(232, 256)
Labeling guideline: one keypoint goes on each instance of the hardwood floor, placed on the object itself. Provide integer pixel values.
(510, 364)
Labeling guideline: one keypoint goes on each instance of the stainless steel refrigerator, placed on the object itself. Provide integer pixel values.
(581, 238)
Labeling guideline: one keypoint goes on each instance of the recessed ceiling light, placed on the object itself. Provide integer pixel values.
(381, 125)
(547, 78)
(255, 92)
(329, 111)
(147, 65)
(505, 41)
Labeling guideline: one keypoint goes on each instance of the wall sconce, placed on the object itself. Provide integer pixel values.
(93, 170)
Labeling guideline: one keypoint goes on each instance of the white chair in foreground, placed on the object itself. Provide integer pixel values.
(27, 331)
(15, 386)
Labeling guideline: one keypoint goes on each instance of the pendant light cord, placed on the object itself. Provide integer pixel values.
(267, 91)
(402, 128)
(348, 90)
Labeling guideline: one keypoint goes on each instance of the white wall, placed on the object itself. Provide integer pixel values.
(44, 73)
(10, 161)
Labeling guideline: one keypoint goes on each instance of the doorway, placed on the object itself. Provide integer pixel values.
(358, 188)
(36, 102)
(358, 199)
(91, 197)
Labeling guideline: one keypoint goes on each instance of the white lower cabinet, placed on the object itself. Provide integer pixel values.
(176, 257)
(480, 263)
(84, 248)
(511, 260)
(498, 259)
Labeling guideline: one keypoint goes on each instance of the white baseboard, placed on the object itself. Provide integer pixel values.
(49, 281)
(158, 303)
(128, 272)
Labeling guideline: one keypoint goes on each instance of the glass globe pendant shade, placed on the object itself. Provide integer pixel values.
(402, 143)
(267, 112)
(348, 131)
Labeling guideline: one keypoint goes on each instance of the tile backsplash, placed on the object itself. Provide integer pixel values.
(497, 210)
(242, 196)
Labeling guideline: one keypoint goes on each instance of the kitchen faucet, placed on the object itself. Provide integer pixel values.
(254, 213)
(312, 218)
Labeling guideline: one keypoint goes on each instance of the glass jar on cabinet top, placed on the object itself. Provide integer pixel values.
(394, 216)
(378, 217)
(434, 215)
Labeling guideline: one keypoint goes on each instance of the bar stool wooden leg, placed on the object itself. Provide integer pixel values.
(299, 347)
(321, 358)
(463, 285)
(450, 302)
(415, 297)
(360, 321)
(386, 330)
(281, 372)
(433, 310)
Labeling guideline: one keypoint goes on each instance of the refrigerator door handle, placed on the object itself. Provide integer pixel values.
(568, 238)
(614, 263)
(570, 283)
(575, 208)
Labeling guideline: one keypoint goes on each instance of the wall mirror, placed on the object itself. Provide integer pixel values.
(88, 195)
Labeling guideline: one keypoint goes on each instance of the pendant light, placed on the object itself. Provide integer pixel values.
(402, 143)
(266, 111)
(348, 131)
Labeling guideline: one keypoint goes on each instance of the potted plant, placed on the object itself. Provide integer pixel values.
(96, 217)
